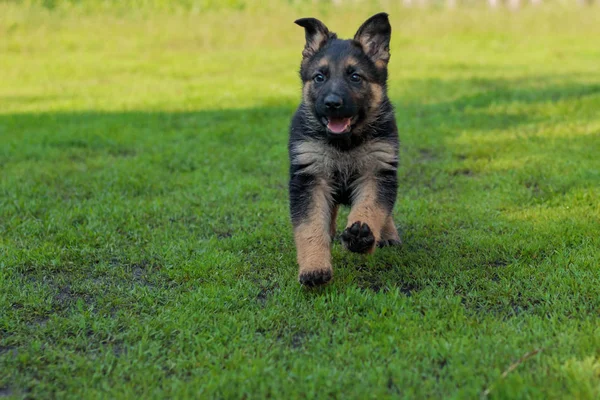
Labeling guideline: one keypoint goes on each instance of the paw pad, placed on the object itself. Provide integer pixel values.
(358, 238)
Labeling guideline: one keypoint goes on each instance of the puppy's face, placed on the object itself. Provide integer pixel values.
(344, 80)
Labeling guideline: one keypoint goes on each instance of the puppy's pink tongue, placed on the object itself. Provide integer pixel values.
(338, 125)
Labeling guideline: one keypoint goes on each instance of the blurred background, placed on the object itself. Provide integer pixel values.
(245, 53)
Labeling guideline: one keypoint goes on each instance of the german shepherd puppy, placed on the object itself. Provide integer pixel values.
(343, 146)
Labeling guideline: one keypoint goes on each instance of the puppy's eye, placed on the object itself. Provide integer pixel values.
(319, 78)
(355, 78)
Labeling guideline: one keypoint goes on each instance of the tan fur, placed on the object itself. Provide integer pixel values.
(389, 231)
(306, 92)
(312, 236)
(314, 45)
(324, 161)
(377, 93)
(318, 40)
(380, 55)
(381, 63)
(366, 209)
(323, 62)
(351, 62)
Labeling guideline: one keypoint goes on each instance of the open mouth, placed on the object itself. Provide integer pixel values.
(338, 125)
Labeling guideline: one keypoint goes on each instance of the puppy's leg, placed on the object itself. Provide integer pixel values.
(373, 201)
(311, 208)
(389, 234)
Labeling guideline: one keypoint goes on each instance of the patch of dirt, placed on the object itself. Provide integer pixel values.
(298, 339)
(502, 310)
(498, 263)
(119, 349)
(79, 220)
(64, 295)
(376, 288)
(265, 293)
(10, 350)
(384, 285)
(225, 234)
(253, 197)
(408, 288)
(121, 152)
(442, 363)
(439, 365)
(426, 155)
(145, 273)
(534, 187)
(463, 172)
(392, 387)
(137, 272)
(262, 296)
(519, 307)
(39, 322)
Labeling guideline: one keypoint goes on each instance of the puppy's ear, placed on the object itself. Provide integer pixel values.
(316, 34)
(374, 36)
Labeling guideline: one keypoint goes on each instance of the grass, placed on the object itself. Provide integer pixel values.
(145, 244)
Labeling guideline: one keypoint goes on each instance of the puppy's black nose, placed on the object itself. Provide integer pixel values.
(333, 101)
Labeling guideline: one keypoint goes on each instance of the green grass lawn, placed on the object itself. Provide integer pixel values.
(145, 243)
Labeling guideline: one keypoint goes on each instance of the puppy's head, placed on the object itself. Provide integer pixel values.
(344, 81)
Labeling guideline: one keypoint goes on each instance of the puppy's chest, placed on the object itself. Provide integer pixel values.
(342, 167)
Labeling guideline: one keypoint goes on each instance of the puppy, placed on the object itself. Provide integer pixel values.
(343, 146)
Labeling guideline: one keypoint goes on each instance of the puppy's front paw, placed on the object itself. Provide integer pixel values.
(358, 238)
(316, 277)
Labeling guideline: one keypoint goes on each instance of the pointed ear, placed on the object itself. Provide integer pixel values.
(316, 34)
(374, 36)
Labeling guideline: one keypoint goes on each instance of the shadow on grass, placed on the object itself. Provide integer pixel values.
(221, 176)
